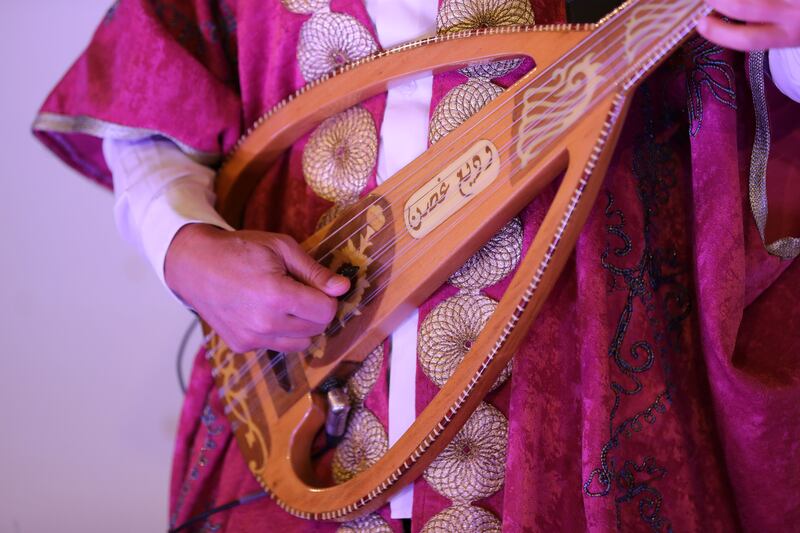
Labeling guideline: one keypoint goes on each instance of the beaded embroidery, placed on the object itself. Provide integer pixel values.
(447, 334)
(340, 155)
(655, 293)
(329, 41)
(463, 519)
(711, 71)
(472, 466)
(372, 523)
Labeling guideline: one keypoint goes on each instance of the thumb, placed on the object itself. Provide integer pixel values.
(300, 265)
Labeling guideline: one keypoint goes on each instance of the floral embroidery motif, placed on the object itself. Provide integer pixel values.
(363, 379)
(362, 445)
(306, 7)
(462, 15)
(494, 261)
(340, 155)
(329, 41)
(710, 71)
(473, 464)
(460, 103)
(372, 523)
(447, 334)
(213, 429)
(463, 519)
(655, 293)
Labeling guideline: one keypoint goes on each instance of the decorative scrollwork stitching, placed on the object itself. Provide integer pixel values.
(712, 72)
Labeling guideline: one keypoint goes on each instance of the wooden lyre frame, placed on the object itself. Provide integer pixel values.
(561, 119)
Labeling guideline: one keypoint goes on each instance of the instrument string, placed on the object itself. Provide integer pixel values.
(451, 140)
(341, 323)
(375, 293)
(615, 70)
(378, 254)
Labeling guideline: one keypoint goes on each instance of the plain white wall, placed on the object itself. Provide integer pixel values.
(88, 395)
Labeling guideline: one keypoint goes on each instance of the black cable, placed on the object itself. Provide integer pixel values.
(181, 350)
(230, 505)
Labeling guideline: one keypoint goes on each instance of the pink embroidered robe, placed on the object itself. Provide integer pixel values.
(660, 387)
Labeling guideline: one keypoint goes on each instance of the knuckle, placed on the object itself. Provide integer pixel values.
(238, 346)
(317, 273)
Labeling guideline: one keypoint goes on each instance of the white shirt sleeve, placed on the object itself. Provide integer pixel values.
(784, 64)
(158, 190)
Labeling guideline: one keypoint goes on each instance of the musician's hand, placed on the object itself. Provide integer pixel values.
(768, 24)
(256, 289)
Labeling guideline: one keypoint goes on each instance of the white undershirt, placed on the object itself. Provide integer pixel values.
(784, 64)
(159, 189)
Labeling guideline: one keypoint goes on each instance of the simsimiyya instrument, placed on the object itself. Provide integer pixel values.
(403, 240)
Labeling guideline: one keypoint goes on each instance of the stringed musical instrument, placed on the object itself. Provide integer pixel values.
(561, 119)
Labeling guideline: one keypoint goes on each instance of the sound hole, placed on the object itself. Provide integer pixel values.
(350, 271)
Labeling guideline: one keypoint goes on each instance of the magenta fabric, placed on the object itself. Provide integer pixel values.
(660, 387)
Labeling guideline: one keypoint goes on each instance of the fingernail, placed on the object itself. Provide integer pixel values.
(336, 282)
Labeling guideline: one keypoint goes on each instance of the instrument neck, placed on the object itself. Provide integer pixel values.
(641, 33)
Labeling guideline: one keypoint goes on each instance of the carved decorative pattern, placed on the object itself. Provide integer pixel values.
(372, 523)
(340, 155)
(362, 381)
(306, 7)
(447, 334)
(463, 519)
(328, 216)
(460, 103)
(364, 442)
(494, 261)
(473, 465)
(329, 41)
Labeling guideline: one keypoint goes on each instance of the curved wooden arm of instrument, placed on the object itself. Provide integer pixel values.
(316, 102)
(287, 473)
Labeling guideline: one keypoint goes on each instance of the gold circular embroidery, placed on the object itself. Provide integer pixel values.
(340, 155)
(463, 519)
(306, 7)
(460, 103)
(461, 15)
(362, 381)
(329, 41)
(364, 442)
(492, 69)
(372, 523)
(494, 261)
(473, 465)
(447, 334)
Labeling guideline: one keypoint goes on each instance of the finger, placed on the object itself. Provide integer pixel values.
(288, 326)
(305, 269)
(286, 344)
(306, 302)
(749, 10)
(743, 38)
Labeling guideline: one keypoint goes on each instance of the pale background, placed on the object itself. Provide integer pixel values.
(89, 398)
